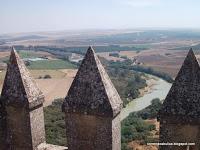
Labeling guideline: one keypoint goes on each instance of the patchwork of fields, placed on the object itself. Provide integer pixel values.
(167, 61)
(53, 88)
(61, 72)
(53, 76)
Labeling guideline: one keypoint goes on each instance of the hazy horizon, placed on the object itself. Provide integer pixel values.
(24, 16)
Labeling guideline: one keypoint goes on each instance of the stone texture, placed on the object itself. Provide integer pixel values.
(23, 105)
(180, 114)
(179, 133)
(183, 98)
(92, 109)
(3, 130)
(116, 133)
(18, 129)
(92, 92)
(86, 132)
(37, 126)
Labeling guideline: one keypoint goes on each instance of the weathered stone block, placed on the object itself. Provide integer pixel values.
(92, 108)
(86, 132)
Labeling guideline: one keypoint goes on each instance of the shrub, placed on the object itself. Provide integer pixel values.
(55, 124)
(135, 128)
(151, 111)
(47, 76)
(114, 54)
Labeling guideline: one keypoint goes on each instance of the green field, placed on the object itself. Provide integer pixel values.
(28, 54)
(51, 64)
(45, 64)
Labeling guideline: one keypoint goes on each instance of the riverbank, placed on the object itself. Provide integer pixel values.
(157, 88)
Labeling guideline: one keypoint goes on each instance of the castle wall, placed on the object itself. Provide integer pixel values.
(18, 124)
(179, 133)
(25, 128)
(86, 132)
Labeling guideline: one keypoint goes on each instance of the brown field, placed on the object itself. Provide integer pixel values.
(106, 56)
(129, 54)
(4, 54)
(168, 61)
(53, 73)
(56, 87)
(69, 72)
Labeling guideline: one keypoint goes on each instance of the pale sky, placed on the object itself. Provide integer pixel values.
(52, 15)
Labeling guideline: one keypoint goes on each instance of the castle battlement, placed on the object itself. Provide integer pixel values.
(92, 109)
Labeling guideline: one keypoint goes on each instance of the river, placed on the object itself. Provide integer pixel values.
(158, 89)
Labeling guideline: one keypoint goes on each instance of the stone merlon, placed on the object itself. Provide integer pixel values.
(92, 91)
(19, 88)
(183, 99)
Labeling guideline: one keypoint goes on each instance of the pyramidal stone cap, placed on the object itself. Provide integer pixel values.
(92, 91)
(183, 99)
(19, 88)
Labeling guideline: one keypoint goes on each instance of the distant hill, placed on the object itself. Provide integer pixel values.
(194, 47)
(27, 37)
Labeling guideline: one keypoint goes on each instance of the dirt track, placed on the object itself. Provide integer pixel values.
(54, 88)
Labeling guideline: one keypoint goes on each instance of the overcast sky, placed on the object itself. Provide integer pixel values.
(50, 15)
